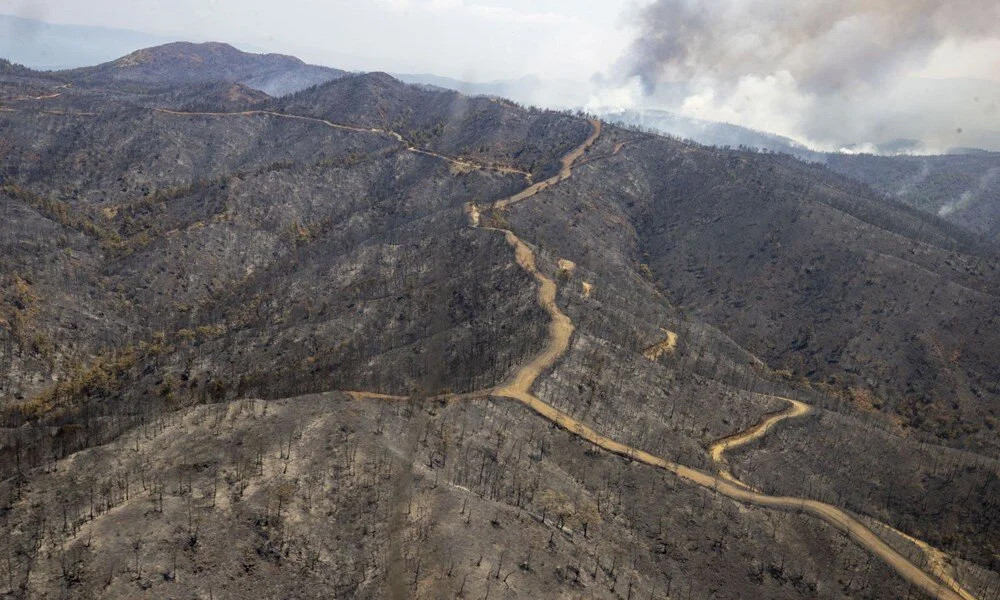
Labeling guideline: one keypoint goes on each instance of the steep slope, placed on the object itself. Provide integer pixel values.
(892, 308)
(385, 247)
(962, 188)
(612, 252)
(323, 495)
(185, 62)
(286, 208)
(710, 133)
(483, 129)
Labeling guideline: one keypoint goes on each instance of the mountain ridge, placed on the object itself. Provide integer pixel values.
(294, 324)
(186, 62)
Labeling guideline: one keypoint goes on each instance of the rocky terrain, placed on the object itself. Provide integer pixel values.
(962, 186)
(375, 340)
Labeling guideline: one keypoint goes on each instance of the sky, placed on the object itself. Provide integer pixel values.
(829, 72)
(833, 74)
(470, 40)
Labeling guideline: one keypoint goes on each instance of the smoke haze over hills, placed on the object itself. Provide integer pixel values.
(916, 77)
(833, 74)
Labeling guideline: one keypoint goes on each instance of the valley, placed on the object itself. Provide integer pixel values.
(241, 343)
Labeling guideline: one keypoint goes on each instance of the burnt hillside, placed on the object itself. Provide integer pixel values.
(373, 340)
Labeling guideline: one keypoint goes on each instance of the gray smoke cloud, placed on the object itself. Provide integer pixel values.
(809, 69)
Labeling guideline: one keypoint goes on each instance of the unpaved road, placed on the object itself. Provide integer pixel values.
(716, 450)
(460, 163)
(560, 330)
(41, 97)
(937, 560)
(518, 387)
(565, 171)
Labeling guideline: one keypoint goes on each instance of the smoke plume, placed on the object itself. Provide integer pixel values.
(808, 69)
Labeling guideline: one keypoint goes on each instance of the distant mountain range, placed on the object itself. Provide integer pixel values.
(41, 45)
(48, 46)
(711, 133)
(962, 188)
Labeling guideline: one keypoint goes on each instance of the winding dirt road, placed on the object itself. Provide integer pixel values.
(716, 450)
(518, 387)
(937, 560)
(465, 164)
(41, 97)
(565, 170)
(561, 328)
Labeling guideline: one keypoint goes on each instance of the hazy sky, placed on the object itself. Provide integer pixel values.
(831, 73)
(471, 39)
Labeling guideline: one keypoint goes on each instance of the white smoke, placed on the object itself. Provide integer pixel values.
(831, 73)
(969, 195)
